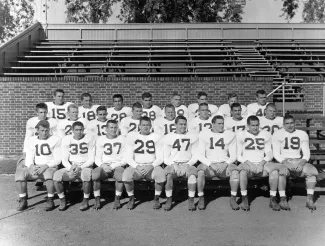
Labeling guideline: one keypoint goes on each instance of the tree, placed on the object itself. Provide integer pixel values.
(289, 9)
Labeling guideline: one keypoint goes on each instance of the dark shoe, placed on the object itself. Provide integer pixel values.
(39, 185)
(310, 202)
(84, 204)
(131, 203)
(63, 204)
(156, 203)
(233, 203)
(22, 203)
(168, 204)
(273, 204)
(191, 206)
(245, 204)
(50, 204)
(97, 203)
(117, 204)
(201, 205)
(284, 205)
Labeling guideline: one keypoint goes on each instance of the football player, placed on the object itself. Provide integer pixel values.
(237, 121)
(202, 122)
(43, 155)
(180, 159)
(87, 110)
(131, 123)
(270, 122)
(179, 107)
(288, 144)
(225, 109)
(217, 154)
(98, 126)
(144, 154)
(118, 111)
(78, 157)
(258, 107)
(193, 108)
(110, 150)
(254, 153)
(58, 108)
(166, 124)
(150, 110)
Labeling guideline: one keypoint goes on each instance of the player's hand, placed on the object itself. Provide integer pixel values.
(260, 167)
(75, 170)
(252, 167)
(107, 168)
(41, 169)
(177, 168)
(283, 170)
(221, 167)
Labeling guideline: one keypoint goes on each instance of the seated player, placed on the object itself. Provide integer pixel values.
(202, 122)
(270, 122)
(180, 109)
(144, 156)
(78, 157)
(118, 111)
(131, 123)
(254, 153)
(166, 124)
(237, 121)
(150, 110)
(110, 150)
(43, 155)
(258, 107)
(288, 144)
(64, 127)
(225, 109)
(193, 108)
(87, 110)
(98, 126)
(58, 108)
(41, 111)
(179, 147)
(217, 154)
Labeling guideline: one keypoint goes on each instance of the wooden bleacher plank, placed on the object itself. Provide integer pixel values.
(132, 47)
(127, 61)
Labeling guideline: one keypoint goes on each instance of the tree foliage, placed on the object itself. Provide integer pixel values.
(289, 8)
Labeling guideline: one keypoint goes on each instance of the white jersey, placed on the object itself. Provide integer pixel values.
(163, 126)
(97, 128)
(217, 147)
(118, 115)
(255, 109)
(57, 112)
(65, 126)
(271, 125)
(43, 152)
(254, 148)
(128, 124)
(32, 131)
(110, 151)
(153, 113)
(144, 149)
(197, 125)
(78, 152)
(290, 145)
(180, 110)
(235, 125)
(88, 113)
(224, 110)
(193, 110)
(180, 148)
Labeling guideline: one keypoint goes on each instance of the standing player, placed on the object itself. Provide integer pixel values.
(43, 155)
(131, 123)
(78, 156)
(193, 108)
(225, 109)
(65, 126)
(110, 150)
(180, 160)
(202, 122)
(144, 156)
(166, 124)
(288, 144)
(58, 108)
(149, 110)
(270, 122)
(254, 154)
(87, 110)
(179, 108)
(258, 107)
(118, 111)
(217, 154)
(237, 121)
(98, 126)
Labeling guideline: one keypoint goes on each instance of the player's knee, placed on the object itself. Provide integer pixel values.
(58, 176)
(311, 179)
(118, 173)
(86, 174)
(20, 175)
(200, 174)
(168, 170)
(95, 174)
(310, 170)
(159, 175)
(128, 175)
(191, 179)
(49, 173)
(274, 174)
(201, 167)
(234, 176)
(192, 171)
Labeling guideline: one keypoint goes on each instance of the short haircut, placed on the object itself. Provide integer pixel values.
(170, 106)
(287, 117)
(231, 95)
(203, 104)
(180, 117)
(252, 118)
(217, 117)
(41, 106)
(58, 90)
(260, 92)
(136, 105)
(270, 105)
(175, 94)
(118, 96)
(201, 93)
(43, 123)
(235, 105)
(146, 95)
(77, 123)
(145, 118)
(111, 122)
(72, 106)
(101, 108)
(83, 95)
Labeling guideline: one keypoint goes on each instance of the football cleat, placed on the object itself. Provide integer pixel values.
(201, 205)
(168, 205)
(84, 204)
(97, 203)
(233, 203)
(63, 204)
(117, 204)
(191, 206)
(131, 203)
(284, 205)
(156, 203)
(273, 204)
(310, 202)
(245, 204)
(22, 203)
(50, 204)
